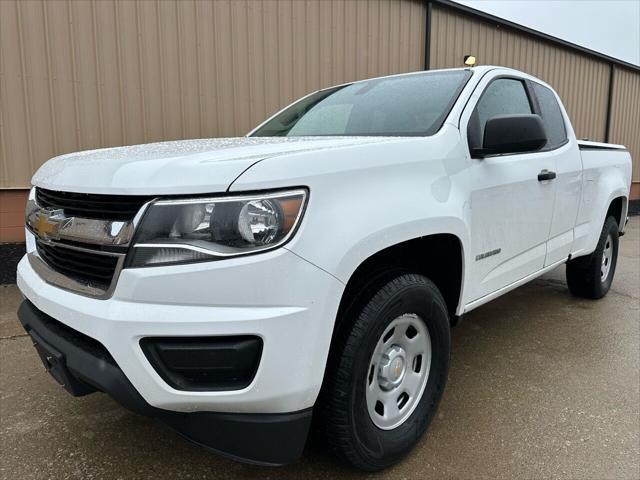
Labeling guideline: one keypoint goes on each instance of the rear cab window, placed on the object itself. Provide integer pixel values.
(551, 116)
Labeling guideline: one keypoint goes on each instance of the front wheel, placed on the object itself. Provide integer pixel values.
(390, 370)
(591, 276)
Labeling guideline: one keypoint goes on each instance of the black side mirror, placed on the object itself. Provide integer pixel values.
(512, 134)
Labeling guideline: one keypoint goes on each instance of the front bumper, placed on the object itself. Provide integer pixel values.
(83, 366)
(286, 301)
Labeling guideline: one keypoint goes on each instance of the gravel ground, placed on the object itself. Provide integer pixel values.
(542, 385)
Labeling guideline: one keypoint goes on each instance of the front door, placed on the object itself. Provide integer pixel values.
(510, 208)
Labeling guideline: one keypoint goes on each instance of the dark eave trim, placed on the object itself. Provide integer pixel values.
(521, 28)
(427, 36)
(607, 126)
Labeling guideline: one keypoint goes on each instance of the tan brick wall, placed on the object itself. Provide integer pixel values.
(12, 203)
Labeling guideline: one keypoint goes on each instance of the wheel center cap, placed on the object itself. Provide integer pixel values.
(392, 368)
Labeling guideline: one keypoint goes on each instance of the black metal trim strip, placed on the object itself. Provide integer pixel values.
(521, 28)
(427, 36)
(607, 126)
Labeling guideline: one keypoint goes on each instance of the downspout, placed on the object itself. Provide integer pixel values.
(427, 36)
(607, 127)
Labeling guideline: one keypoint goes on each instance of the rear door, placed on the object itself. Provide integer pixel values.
(509, 209)
(568, 168)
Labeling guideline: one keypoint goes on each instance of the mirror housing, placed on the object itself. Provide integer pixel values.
(512, 134)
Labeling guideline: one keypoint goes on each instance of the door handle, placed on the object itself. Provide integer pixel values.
(546, 175)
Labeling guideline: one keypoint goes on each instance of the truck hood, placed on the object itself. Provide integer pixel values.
(185, 166)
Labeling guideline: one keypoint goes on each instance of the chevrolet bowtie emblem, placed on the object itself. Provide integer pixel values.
(43, 226)
(47, 223)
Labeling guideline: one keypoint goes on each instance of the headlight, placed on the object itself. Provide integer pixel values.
(203, 229)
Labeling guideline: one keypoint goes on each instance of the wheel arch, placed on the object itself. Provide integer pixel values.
(381, 266)
(439, 257)
(618, 210)
(593, 214)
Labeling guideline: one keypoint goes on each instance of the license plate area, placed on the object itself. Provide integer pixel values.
(55, 363)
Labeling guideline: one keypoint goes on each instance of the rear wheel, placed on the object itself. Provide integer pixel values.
(591, 276)
(389, 371)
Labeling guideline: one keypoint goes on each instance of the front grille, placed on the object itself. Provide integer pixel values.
(90, 268)
(92, 205)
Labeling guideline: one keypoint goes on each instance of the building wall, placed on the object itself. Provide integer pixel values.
(84, 74)
(625, 117)
(581, 81)
(12, 204)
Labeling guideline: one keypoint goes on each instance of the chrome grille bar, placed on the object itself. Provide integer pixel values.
(54, 224)
(81, 255)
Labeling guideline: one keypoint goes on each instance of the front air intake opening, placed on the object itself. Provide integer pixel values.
(204, 363)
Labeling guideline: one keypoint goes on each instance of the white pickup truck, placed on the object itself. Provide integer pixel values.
(232, 287)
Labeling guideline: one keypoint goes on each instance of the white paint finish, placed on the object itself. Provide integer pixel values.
(559, 247)
(185, 166)
(258, 295)
(590, 143)
(568, 182)
(509, 210)
(606, 176)
(507, 288)
(365, 194)
(355, 189)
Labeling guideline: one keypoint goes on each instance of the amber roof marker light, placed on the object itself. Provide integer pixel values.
(469, 60)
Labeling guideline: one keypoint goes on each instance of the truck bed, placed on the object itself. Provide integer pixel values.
(591, 145)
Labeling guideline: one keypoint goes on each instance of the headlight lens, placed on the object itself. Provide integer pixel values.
(204, 229)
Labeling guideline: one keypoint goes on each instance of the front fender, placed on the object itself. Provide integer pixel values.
(378, 240)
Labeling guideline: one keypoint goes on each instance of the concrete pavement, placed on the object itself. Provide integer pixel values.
(542, 385)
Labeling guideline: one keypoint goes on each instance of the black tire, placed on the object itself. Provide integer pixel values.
(584, 273)
(344, 417)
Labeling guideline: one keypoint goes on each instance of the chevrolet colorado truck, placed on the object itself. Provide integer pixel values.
(234, 287)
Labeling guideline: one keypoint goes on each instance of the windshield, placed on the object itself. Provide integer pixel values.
(405, 105)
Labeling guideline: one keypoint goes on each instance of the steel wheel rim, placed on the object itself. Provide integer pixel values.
(398, 371)
(607, 257)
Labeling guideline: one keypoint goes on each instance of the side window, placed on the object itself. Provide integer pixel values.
(504, 96)
(551, 116)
